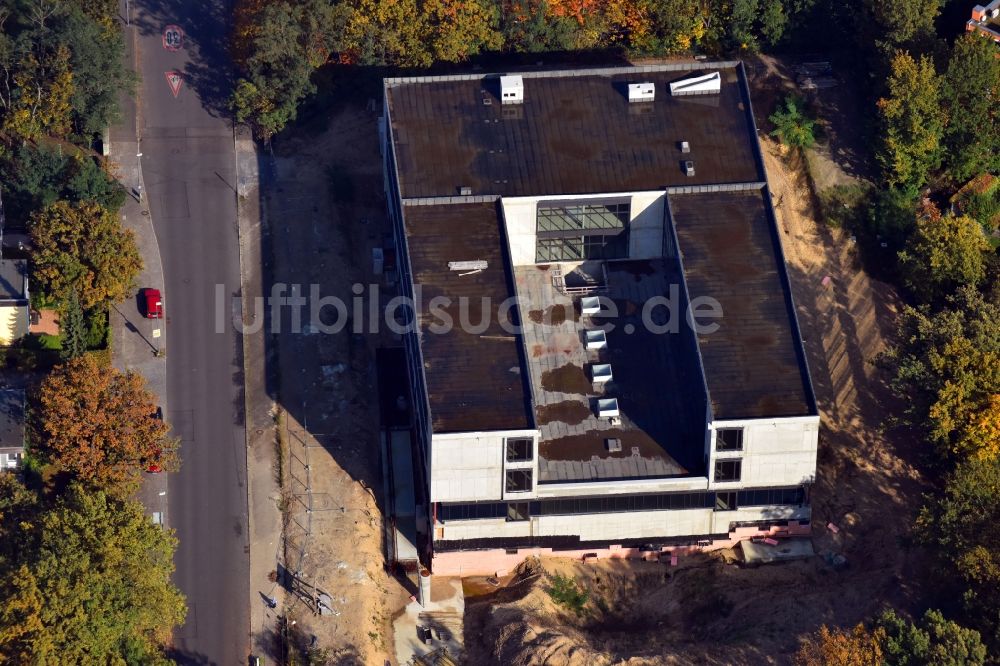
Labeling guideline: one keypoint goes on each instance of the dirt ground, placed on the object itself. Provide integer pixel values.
(325, 210)
(710, 612)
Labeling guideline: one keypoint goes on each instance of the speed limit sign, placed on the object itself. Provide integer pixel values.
(173, 38)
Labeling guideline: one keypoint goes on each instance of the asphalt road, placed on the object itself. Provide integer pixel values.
(188, 167)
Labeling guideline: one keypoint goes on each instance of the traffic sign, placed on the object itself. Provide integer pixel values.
(173, 37)
(174, 80)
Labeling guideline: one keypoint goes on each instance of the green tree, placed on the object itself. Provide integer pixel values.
(962, 527)
(91, 586)
(934, 641)
(791, 124)
(83, 247)
(912, 122)
(72, 328)
(97, 61)
(901, 23)
(947, 370)
(278, 46)
(100, 425)
(943, 253)
(970, 90)
(529, 27)
(88, 181)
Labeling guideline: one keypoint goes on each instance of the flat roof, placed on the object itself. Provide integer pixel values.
(474, 380)
(656, 379)
(13, 273)
(11, 420)
(575, 133)
(754, 363)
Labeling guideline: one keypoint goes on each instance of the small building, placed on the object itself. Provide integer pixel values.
(11, 428)
(985, 20)
(14, 315)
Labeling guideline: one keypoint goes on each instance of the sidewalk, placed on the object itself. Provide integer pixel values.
(135, 339)
(263, 468)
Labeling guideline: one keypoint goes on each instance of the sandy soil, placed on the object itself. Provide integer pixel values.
(325, 206)
(710, 612)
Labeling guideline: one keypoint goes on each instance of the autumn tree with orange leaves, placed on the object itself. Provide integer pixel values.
(99, 425)
(841, 647)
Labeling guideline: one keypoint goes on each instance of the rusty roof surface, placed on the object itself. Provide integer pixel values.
(474, 379)
(656, 378)
(575, 133)
(754, 363)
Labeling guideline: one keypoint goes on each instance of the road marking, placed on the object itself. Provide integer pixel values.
(173, 37)
(174, 80)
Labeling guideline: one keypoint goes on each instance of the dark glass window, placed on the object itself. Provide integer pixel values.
(728, 470)
(725, 501)
(772, 496)
(518, 511)
(729, 439)
(520, 449)
(572, 232)
(518, 481)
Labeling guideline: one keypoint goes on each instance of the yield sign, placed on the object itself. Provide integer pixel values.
(174, 79)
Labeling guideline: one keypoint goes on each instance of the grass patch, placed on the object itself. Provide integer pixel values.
(845, 206)
(47, 341)
(567, 593)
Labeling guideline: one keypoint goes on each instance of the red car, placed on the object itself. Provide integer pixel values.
(154, 303)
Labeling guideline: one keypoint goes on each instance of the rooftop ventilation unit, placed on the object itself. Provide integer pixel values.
(614, 445)
(685, 147)
(641, 92)
(689, 167)
(468, 267)
(600, 373)
(706, 84)
(590, 305)
(596, 339)
(607, 408)
(465, 191)
(511, 89)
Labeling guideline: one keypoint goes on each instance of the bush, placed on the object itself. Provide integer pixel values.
(97, 328)
(565, 592)
(792, 125)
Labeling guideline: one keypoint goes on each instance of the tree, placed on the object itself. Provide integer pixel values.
(461, 28)
(388, 32)
(668, 26)
(912, 122)
(962, 526)
(901, 23)
(43, 90)
(92, 586)
(970, 90)
(100, 425)
(72, 328)
(791, 124)
(278, 45)
(88, 181)
(947, 369)
(840, 647)
(83, 247)
(935, 641)
(97, 62)
(943, 253)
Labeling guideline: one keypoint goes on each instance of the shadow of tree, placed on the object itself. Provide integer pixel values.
(209, 72)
